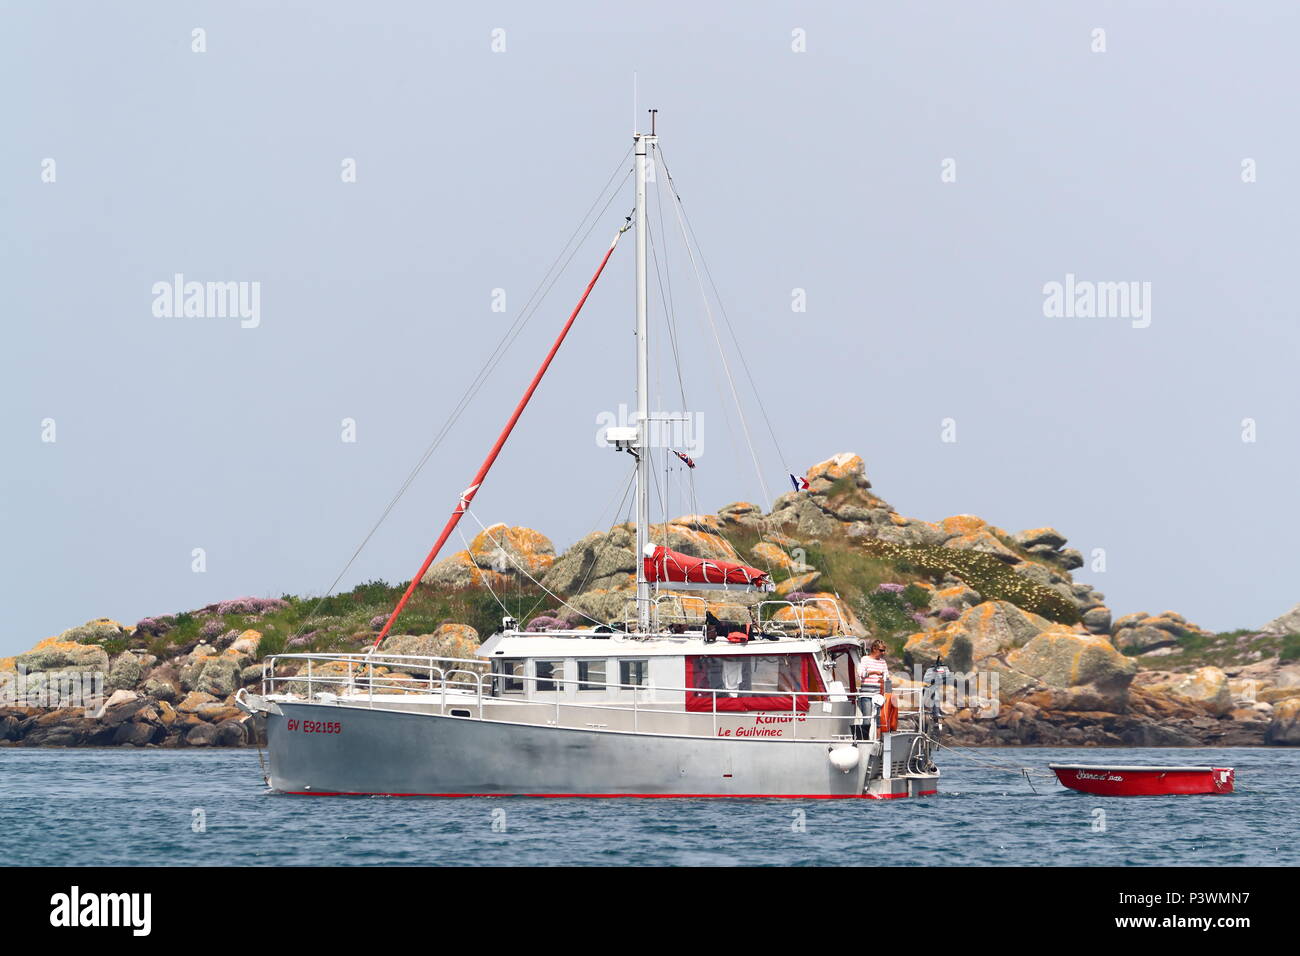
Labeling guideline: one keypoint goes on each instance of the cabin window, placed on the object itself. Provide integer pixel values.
(591, 675)
(511, 679)
(846, 669)
(744, 682)
(547, 672)
(633, 672)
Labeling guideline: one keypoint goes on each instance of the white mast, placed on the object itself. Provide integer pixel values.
(642, 144)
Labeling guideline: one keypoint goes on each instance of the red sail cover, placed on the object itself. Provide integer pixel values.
(673, 567)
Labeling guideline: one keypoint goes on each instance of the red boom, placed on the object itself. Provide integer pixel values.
(467, 495)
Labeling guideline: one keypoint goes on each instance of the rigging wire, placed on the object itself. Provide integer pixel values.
(723, 310)
(664, 279)
(680, 211)
(525, 572)
(670, 314)
(674, 337)
(595, 557)
(684, 220)
(599, 550)
(990, 764)
(726, 365)
(530, 308)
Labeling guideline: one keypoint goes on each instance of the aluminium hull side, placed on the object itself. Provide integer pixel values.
(352, 750)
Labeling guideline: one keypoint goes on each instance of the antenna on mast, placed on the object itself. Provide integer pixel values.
(652, 122)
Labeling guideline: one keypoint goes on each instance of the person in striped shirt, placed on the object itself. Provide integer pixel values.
(872, 669)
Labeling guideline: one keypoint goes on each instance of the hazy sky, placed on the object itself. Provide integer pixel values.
(820, 170)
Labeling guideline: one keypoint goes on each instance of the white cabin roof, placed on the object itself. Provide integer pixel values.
(554, 644)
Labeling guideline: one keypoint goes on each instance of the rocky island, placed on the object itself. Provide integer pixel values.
(1002, 605)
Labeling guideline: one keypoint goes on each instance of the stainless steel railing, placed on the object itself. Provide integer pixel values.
(811, 617)
(820, 609)
(360, 678)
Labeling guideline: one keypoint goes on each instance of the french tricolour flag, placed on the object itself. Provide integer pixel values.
(800, 482)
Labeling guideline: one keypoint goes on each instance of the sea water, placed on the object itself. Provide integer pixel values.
(118, 807)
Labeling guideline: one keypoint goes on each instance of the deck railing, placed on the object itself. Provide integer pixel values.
(825, 614)
(810, 617)
(461, 684)
(686, 611)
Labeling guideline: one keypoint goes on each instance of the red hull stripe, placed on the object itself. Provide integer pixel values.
(895, 796)
(640, 796)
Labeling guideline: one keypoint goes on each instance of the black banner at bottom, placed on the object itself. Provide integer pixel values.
(131, 906)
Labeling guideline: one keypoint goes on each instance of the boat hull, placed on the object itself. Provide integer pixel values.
(1144, 781)
(323, 749)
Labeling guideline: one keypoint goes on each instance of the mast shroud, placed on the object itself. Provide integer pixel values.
(476, 482)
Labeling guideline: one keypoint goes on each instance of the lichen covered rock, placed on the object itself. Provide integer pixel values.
(1081, 672)
(247, 642)
(99, 631)
(127, 669)
(1284, 728)
(1207, 686)
(1288, 623)
(56, 654)
(218, 676)
(459, 570)
(449, 640)
(799, 582)
(1142, 633)
(508, 550)
(768, 555)
(983, 631)
(982, 539)
(844, 465)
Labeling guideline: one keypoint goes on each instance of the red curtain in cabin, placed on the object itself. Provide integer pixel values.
(750, 682)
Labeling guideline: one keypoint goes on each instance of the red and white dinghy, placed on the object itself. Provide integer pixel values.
(1120, 781)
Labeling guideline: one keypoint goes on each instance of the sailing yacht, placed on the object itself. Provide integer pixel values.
(677, 699)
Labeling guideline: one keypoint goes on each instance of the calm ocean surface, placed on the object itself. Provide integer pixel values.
(119, 808)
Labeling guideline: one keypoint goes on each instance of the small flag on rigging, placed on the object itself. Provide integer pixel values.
(690, 463)
(800, 482)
